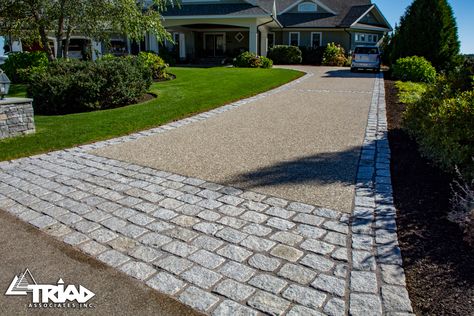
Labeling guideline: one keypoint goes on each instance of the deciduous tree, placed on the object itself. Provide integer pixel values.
(33, 21)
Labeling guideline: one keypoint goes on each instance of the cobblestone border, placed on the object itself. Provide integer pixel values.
(377, 282)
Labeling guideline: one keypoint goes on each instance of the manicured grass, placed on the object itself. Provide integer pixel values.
(194, 90)
(410, 92)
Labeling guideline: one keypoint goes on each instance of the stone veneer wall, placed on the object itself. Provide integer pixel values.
(16, 117)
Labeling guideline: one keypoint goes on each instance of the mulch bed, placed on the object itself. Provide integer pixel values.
(439, 266)
(146, 97)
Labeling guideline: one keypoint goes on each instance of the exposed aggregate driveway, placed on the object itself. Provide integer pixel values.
(278, 204)
(301, 144)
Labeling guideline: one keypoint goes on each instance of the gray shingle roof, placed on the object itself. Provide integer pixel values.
(231, 9)
(353, 14)
(348, 11)
(305, 20)
(342, 6)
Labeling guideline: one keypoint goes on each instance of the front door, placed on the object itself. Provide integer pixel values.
(214, 45)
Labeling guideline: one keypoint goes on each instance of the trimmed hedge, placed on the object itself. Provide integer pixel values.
(442, 122)
(312, 56)
(250, 60)
(416, 69)
(20, 66)
(285, 55)
(72, 86)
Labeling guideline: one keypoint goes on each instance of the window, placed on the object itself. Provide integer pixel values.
(176, 38)
(271, 40)
(316, 39)
(307, 7)
(295, 38)
(366, 38)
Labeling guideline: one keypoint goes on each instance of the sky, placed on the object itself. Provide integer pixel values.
(463, 11)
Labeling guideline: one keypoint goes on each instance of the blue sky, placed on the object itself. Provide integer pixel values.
(463, 11)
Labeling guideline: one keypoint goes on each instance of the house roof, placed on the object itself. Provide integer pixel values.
(308, 20)
(353, 14)
(347, 12)
(227, 9)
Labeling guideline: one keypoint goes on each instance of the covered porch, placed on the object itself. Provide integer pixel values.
(218, 38)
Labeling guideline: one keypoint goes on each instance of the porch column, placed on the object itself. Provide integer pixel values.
(153, 44)
(96, 50)
(263, 42)
(253, 39)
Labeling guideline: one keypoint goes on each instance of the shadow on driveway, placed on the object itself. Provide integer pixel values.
(346, 73)
(323, 168)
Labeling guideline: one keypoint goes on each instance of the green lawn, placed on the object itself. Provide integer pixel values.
(194, 90)
(17, 90)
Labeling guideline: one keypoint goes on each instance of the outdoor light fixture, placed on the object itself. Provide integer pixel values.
(4, 84)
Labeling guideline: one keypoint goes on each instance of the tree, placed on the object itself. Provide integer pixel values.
(427, 29)
(33, 21)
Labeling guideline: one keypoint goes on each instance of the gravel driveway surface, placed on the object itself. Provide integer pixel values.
(302, 143)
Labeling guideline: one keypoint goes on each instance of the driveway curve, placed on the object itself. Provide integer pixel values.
(302, 143)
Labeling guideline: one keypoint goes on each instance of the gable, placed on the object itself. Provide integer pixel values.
(295, 7)
(374, 18)
(305, 4)
(366, 16)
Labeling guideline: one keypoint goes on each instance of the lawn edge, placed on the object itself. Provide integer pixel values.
(244, 99)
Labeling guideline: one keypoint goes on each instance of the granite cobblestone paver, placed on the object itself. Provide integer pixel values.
(377, 281)
(224, 247)
(220, 249)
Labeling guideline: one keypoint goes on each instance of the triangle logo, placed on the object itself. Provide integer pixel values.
(20, 283)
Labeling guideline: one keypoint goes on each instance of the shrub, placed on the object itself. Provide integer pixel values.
(247, 60)
(312, 56)
(416, 69)
(156, 64)
(266, 62)
(71, 86)
(442, 124)
(334, 55)
(250, 60)
(20, 66)
(463, 207)
(410, 92)
(285, 55)
(169, 56)
(463, 77)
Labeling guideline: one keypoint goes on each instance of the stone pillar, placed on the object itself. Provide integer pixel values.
(16, 117)
(253, 39)
(263, 42)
